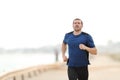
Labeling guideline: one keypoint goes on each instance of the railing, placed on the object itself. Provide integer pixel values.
(27, 73)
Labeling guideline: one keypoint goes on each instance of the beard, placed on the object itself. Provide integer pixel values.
(77, 30)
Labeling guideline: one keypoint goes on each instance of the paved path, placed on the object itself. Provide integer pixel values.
(56, 74)
(106, 71)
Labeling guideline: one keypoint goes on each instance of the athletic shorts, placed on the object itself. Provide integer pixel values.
(78, 73)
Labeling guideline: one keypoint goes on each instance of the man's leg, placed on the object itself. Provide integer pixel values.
(72, 75)
(82, 73)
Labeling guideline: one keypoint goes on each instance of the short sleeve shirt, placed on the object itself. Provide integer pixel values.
(78, 57)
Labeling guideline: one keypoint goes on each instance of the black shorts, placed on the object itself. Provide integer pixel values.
(78, 73)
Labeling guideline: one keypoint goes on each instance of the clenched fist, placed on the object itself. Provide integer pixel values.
(82, 46)
(64, 58)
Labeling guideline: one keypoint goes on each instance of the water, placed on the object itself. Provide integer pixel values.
(11, 62)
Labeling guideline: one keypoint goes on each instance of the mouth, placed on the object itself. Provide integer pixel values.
(76, 25)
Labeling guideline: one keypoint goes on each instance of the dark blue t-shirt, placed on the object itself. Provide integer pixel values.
(78, 57)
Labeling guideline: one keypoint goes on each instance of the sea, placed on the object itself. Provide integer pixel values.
(11, 62)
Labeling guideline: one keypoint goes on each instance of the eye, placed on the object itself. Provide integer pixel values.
(75, 22)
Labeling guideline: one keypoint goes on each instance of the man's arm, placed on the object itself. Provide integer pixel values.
(64, 48)
(90, 50)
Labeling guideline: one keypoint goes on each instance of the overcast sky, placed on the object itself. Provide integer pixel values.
(36, 23)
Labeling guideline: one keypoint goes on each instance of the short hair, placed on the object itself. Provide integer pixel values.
(78, 19)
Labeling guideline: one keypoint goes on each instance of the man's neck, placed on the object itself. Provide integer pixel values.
(77, 32)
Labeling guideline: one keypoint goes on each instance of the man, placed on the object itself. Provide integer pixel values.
(80, 44)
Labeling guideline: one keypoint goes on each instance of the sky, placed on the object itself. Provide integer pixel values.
(37, 23)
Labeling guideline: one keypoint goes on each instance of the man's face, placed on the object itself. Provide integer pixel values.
(77, 25)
